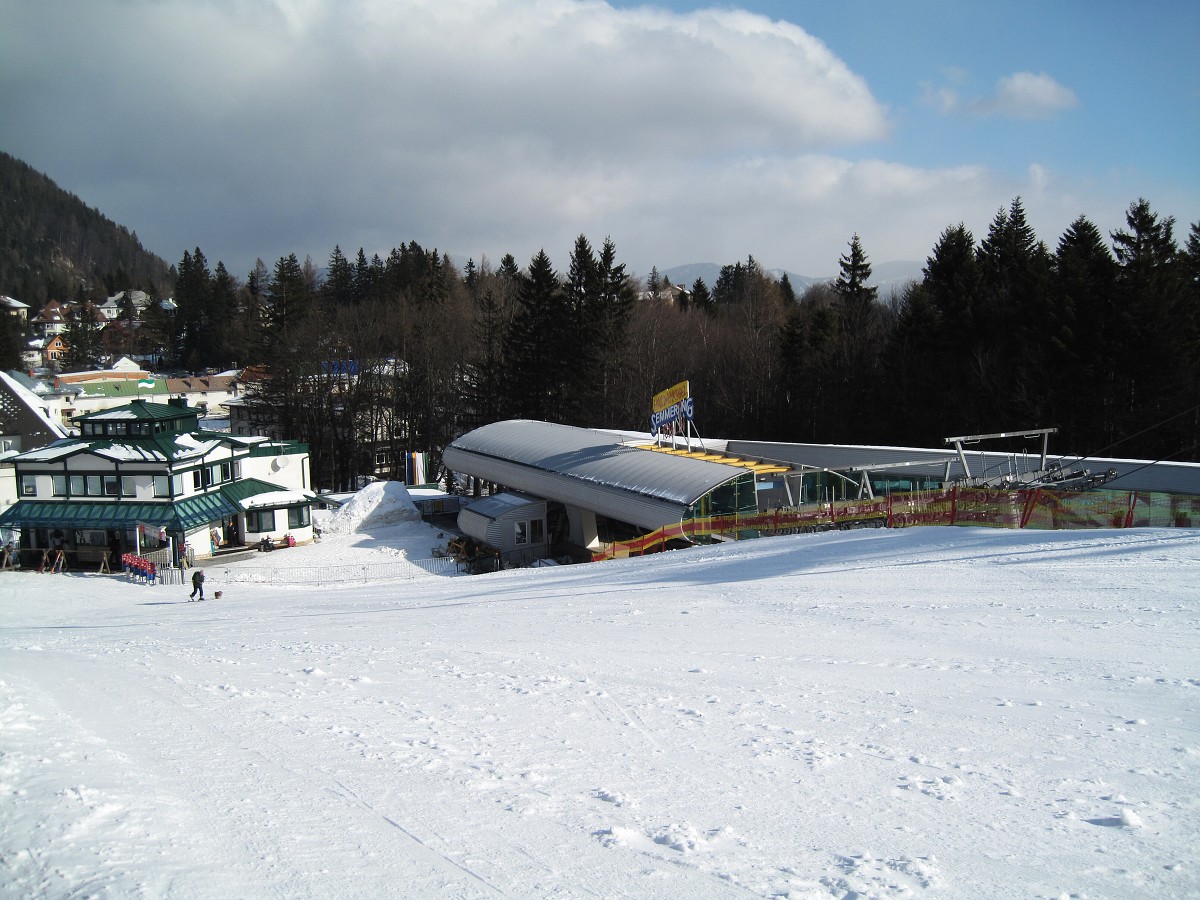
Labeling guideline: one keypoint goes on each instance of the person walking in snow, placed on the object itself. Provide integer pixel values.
(197, 584)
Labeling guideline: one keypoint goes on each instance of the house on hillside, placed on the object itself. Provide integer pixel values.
(145, 476)
(52, 323)
(209, 393)
(15, 308)
(54, 350)
(674, 294)
(51, 318)
(114, 305)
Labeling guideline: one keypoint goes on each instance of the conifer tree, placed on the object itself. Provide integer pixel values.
(193, 295)
(951, 283)
(1154, 295)
(289, 298)
(338, 287)
(654, 281)
(787, 293)
(851, 285)
(607, 319)
(364, 279)
(226, 342)
(534, 370)
(289, 347)
(84, 347)
(1083, 337)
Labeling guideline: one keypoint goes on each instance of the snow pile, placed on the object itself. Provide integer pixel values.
(379, 503)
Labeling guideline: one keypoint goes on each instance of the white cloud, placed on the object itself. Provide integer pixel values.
(1022, 95)
(1025, 95)
(943, 99)
(264, 127)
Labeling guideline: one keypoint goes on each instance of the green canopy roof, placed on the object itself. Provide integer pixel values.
(182, 515)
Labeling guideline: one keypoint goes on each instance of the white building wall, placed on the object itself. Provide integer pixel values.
(286, 470)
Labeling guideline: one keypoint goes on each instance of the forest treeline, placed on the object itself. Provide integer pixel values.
(1098, 336)
(1099, 339)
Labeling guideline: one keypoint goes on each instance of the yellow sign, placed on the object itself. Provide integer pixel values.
(668, 398)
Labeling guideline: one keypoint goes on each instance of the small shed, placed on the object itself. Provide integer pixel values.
(512, 523)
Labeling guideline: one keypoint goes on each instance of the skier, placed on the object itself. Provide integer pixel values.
(197, 584)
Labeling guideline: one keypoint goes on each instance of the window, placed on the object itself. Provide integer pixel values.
(260, 520)
(100, 485)
(162, 487)
(201, 478)
(531, 532)
(28, 485)
(298, 516)
(227, 470)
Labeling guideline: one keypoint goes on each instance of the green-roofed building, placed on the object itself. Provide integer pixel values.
(144, 477)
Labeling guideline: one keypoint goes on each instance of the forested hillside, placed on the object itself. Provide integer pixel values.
(54, 247)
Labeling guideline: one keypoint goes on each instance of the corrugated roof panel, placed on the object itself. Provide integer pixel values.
(497, 505)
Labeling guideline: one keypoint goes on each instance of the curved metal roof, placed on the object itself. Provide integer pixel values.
(588, 469)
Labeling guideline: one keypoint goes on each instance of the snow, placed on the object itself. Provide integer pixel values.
(277, 498)
(927, 712)
(378, 504)
(32, 402)
(124, 452)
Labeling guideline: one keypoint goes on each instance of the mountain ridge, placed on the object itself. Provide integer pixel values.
(53, 246)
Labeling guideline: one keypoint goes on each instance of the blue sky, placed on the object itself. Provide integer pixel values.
(686, 132)
(1134, 72)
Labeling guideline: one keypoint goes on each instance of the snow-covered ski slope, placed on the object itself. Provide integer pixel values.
(920, 713)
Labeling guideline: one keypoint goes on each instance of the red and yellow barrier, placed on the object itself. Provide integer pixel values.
(1024, 508)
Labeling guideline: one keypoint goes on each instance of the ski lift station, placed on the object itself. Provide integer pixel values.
(543, 486)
